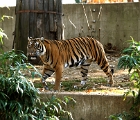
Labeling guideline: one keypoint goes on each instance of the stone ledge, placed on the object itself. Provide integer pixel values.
(92, 106)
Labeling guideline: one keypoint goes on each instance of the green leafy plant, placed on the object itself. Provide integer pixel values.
(18, 95)
(54, 109)
(131, 60)
(2, 34)
(19, 99)
(122, 116)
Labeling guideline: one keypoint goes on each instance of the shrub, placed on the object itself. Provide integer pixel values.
(19, 98)
(2, 34)
(131, 60)
(54, 109)
(18, 95)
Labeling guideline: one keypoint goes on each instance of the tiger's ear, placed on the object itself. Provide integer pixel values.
(47, 41)
(30, 38)
(42, 38)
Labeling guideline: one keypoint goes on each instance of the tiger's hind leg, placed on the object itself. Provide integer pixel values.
(84, 71)
(47, 72)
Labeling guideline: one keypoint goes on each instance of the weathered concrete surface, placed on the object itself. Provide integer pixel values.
(91, 106)
(108, 23)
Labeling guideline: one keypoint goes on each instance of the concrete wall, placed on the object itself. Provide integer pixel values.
(109, 23)
(92, 106)
(116, 22)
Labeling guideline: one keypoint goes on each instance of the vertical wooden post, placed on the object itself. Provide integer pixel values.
(46, 20)
(52, 17)
(37, 18)
(32, 19)
(22, 26)
(59, 19)
(17, 32)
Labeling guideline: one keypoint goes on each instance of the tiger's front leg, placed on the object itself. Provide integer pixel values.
(47, 72)
(58, 77)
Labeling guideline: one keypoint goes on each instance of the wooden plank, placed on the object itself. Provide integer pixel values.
(24, 26)
(59, 19)
(32, 19)
(52, 17)
(46, 20)
(17, 32)
(39, 18)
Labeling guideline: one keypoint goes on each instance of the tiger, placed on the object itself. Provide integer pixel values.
(59, 54)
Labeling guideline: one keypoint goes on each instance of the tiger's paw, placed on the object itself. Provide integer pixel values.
(56, 90)
(83, 82)
(111, 84)
(46, 87)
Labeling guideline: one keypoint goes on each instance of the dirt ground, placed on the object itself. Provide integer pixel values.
(121, 77)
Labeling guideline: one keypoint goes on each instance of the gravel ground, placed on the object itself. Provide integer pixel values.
(121, 77)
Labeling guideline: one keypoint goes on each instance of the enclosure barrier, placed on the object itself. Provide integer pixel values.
(92, 106)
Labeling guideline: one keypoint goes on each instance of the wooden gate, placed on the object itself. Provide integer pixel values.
(37, 18)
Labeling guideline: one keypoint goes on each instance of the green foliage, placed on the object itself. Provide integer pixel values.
(18, 95)
(122, 116)
(53, 109)
(19, 98)
(131, 61)
(131, 58)
(2, 34)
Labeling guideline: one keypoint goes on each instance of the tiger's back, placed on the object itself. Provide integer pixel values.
(68, 53)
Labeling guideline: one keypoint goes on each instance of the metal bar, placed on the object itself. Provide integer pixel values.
(37, 11)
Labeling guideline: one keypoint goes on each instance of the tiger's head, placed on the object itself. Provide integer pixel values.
(35, 46)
